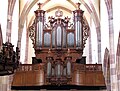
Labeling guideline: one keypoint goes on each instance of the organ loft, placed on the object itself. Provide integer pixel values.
(58, 62)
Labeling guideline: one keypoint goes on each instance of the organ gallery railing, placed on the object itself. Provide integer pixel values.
(82, 75)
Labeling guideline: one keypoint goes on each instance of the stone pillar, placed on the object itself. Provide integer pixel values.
(90, 44)
(9, 27)
(27, 44)
(118, 62)
(19, 38)
(99, 44)
(10, 81)
(112, 52)
(5, 83)
(113, 75)
(90, 49)
(11, 4)
(26, 50)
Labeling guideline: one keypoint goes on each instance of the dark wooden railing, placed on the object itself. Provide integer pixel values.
(82, 75)
(88, 75)
(29, 75)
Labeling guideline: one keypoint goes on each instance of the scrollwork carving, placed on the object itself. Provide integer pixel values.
(32, 33)
(85, 32)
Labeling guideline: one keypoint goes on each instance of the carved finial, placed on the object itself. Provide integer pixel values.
(68, 52)
(49, 52)
(39, 5)
(78, 5)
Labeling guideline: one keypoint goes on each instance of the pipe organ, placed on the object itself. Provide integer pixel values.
(59, 33)
(58, 43)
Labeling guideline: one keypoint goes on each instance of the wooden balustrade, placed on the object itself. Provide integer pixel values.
(82, 75)
(29, 75)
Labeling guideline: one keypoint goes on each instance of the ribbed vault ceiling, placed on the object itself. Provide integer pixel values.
(50, 6)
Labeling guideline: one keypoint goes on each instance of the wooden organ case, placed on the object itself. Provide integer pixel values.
(58, 45)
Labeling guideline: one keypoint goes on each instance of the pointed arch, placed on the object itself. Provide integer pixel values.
(98, 31)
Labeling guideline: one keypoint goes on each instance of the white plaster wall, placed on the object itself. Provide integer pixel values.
(31, 52)
(86, 51)
(94, 43)
(23, 45)
(104, 28)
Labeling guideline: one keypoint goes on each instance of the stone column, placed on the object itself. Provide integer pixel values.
(118, 62)
(90, 49)
(113, 76)
(11, 4)
(5, 83)
(27, 44)
(112, 52)
(19, 38)
(90, 44)
(99, 43)
(9, 27)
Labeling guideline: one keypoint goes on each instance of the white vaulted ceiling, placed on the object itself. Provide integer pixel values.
(50, 6)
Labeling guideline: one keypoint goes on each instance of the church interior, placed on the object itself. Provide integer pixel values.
(68, 45)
